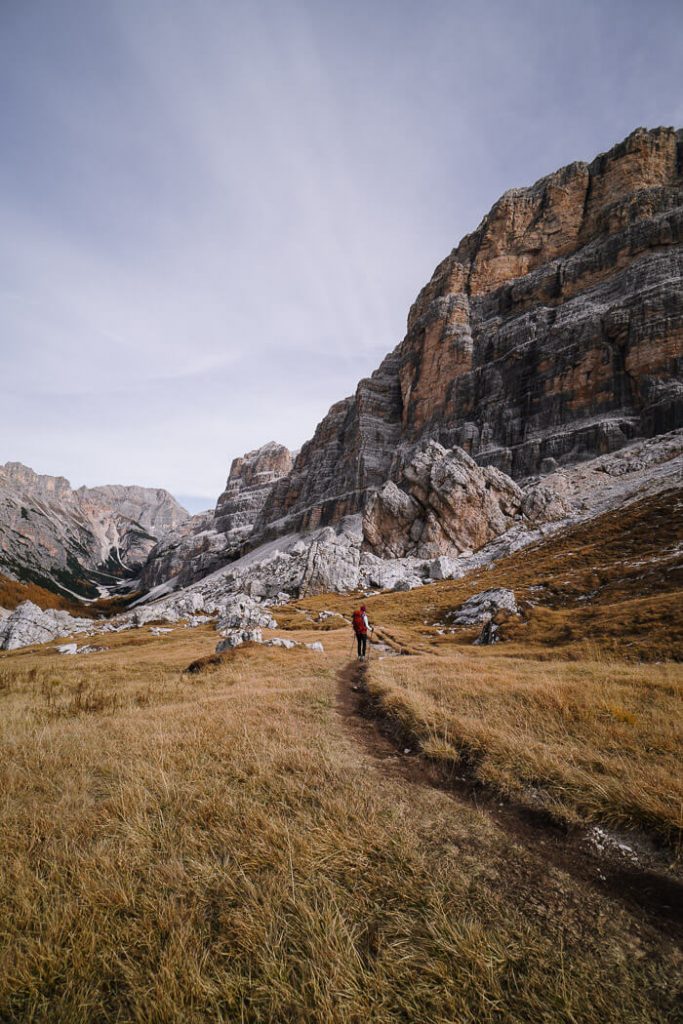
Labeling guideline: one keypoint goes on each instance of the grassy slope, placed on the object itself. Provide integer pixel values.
(218, 848)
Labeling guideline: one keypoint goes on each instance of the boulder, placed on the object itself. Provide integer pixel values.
(445, 568)
(279, 641)
(482, 607)
(236, 637)
(28, 624)
(241, 612)
(549, 500)
(316, 646)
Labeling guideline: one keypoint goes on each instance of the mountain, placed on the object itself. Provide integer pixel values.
(75, 541)
(551, 334)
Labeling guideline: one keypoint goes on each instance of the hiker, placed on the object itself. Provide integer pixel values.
(361, 627)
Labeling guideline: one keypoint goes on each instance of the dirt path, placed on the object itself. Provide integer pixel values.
(647, 890)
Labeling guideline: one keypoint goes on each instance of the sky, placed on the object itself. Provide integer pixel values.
(215, 215)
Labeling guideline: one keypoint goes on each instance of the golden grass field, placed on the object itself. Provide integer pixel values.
(240, 845)
(220, 847)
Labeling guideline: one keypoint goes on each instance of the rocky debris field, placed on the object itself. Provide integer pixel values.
(453, 502)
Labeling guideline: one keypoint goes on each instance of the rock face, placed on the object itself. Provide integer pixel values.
(552, 332)
(61, 538)
(446, 504)
(207, 541)
(249, 484)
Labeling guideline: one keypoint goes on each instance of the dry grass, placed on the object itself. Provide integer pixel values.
(182, 848)
(13, 593)
(587, 740)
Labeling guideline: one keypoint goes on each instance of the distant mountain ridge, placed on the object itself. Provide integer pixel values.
(78, 541)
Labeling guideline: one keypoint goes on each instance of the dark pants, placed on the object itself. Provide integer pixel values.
(361, 640)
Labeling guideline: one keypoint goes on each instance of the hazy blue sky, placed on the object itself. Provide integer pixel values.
(214, 215)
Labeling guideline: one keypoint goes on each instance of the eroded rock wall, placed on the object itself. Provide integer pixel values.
(551, 334)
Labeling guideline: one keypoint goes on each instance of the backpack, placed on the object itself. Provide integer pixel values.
(359, 623)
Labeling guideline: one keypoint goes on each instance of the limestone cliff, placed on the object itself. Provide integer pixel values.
(552, 333)
(207, 541)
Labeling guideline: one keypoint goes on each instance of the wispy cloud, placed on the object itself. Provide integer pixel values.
(214, 217)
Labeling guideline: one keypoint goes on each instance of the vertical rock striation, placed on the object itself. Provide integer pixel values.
(552, 333)
(212, 539)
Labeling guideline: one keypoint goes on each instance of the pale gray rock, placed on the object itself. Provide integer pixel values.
(28, 624)
(316, 646)
(280, 641)
(445, 568)
(241, 612)
(392, 573)
(482, 607)
(549, 500)
(236, 637)
(67, 649)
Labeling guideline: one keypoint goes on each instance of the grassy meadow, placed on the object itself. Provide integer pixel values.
(220, 846)
(240, 844)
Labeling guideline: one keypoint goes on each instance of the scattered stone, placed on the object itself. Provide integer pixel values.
(278, 641)
(67, 649)
(316, 646)
(237, 637)
(445, 568)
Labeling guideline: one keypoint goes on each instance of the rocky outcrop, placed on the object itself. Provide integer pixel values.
(445, 504)
(249, 484)
(241, 611)
(551, 334)
(69, 540)
(484, 606)
(207, 541)
(28, 624)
